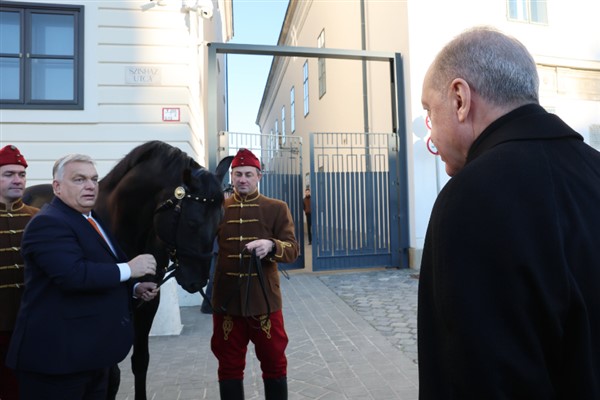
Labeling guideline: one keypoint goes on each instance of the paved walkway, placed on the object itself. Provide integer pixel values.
(352, 336)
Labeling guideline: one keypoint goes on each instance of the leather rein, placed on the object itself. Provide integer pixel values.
(254, 261)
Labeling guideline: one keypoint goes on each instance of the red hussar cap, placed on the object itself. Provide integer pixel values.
(245, 158)
(11, 155)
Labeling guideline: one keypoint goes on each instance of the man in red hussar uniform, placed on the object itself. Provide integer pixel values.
(14, 215)
(246, 296)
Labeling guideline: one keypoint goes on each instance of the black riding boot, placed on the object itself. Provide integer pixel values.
(276, 389)
(231, 389)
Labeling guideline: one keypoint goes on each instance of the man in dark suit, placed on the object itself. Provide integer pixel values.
(75, 317)
(509, 304)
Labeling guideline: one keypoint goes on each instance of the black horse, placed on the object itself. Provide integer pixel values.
(158, 200)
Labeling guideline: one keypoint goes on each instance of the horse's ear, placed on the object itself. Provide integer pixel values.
(223, 167)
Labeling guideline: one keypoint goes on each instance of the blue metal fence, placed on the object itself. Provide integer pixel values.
(350, 179)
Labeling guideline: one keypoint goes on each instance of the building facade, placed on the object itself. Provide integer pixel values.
(307, 95)
(102, 77)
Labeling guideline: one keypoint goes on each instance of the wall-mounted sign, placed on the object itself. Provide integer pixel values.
(137, 75)
(170, 114)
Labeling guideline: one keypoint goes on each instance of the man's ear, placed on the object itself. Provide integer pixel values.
(55, 187)
(462, 98)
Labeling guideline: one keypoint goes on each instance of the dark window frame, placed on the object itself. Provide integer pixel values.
(25, 100)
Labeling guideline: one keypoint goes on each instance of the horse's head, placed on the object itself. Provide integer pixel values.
(187, 223)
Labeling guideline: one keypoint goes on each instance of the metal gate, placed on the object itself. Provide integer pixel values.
(354, 222)
(281, 160)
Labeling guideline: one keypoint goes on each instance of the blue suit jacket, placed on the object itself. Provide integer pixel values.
(75, 313)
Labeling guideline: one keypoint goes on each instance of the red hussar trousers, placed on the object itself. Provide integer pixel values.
(229, 343)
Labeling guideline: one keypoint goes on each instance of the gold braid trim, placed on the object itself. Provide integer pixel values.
(242, 238)
(238, 256)
(239, 199)
(12, 231)
(283, 246)
(16, 266)
(10, 215)
(227, 326)
(265, 325)
(241, 221)
(12, 285)
(10, 249)
(16, 206)
(242, 205)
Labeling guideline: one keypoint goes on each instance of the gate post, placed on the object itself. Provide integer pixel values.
(399, 218)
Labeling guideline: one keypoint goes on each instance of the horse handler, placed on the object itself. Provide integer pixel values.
(246, 293)
(14, 215)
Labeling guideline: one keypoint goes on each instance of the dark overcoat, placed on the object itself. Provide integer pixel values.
(75, 313)
(509, 296)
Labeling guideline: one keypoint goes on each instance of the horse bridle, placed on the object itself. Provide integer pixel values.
(180, 194)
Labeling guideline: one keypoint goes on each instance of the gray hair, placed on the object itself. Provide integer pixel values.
(497, 67)
(58, 171)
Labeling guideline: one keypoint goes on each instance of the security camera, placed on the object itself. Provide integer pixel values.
(206, 13)
(203, 7)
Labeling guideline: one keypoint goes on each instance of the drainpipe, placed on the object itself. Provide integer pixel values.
(363, 39)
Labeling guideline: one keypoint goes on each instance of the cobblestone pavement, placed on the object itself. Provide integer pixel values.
(351, 338)
(387, 299)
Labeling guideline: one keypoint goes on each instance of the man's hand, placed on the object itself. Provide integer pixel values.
(146, 290)
(262, 247)
(144, 264)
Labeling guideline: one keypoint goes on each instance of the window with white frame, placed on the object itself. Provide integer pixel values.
(305, 85)
(283, 125)
(292, 110)
(41, 56)
(321, 61)
(531, 11)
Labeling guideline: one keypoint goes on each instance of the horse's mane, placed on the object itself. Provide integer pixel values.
(160, 154)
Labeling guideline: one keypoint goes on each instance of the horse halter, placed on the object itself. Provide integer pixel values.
(180, 194)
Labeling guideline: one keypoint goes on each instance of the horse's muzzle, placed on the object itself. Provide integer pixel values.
(192, 275)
